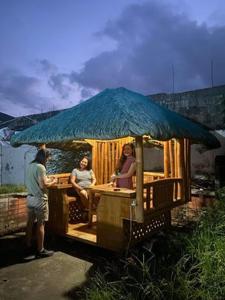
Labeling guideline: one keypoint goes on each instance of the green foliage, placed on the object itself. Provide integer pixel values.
(191, 266)
(66, 161)
(11, 188)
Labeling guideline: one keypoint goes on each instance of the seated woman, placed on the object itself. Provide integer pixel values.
(82, 178)
(125, 168)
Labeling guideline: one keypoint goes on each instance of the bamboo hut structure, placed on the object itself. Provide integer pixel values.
(122, 217)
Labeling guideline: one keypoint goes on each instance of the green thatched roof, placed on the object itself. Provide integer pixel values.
(111, 114)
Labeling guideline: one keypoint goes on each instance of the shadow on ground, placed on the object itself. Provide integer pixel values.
(14, 266)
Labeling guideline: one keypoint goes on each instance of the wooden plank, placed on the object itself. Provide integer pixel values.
(110, 213)
(83, 232)
(58, 211)
(107, 189)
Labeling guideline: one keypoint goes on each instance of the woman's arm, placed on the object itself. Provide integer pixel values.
(47, 182)
(74, 184)
(130, 172)
(93, 179)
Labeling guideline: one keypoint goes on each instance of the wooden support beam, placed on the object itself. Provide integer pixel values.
(172, 164)
(139, 212)
(166, 159)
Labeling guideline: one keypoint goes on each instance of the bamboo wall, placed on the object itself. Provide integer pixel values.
(105, 155)
(177, 163)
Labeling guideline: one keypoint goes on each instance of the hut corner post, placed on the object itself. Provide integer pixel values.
(139, 209)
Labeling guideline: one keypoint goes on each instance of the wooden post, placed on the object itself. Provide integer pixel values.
(172, 164)
(188, 171)
(181, 166)
(166, 159)
(139, 212)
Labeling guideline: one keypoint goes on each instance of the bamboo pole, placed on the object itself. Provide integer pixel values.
(182, 168)
(94, 168)
(182, 158)
(188, 171)
(166, 159)
(117, 152)
(100, 162)
(113, 154)
(106, 159)
(172, 165)
(139, 212)
(175, 158)
(109, 162)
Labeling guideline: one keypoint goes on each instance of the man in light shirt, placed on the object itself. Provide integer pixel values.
(37, 183)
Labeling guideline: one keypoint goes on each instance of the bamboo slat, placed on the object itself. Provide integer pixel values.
(100, 163)
(106, 159)
(113, 152)
(188, 171)
(172, 163)
(139, 180)
(166, 159)
(182, 168)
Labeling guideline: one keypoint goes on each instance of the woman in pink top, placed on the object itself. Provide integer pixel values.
(125, 168)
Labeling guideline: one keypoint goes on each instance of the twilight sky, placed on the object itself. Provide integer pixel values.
(56, 53)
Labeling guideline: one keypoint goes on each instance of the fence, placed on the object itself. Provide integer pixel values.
(13, 212)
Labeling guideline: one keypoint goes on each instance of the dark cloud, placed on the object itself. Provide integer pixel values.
(45, 66)
(86, 93)
(59, 83)
(151, 38)
(20, 90)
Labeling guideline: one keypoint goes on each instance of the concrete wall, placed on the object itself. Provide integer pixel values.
(153, 159)
(206, 106)
(202, 161)
(13, 163)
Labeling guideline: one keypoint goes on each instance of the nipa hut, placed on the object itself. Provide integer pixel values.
(107, 121)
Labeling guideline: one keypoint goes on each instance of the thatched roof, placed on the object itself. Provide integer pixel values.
(112, 114)
(23, 122)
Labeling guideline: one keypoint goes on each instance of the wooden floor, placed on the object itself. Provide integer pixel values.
(83, 232)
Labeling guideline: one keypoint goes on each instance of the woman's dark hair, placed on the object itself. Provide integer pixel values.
(88, 164)
(42, 156)
(124, 157)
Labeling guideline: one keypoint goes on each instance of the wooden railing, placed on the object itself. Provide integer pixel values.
(158, 193)
(163, 194)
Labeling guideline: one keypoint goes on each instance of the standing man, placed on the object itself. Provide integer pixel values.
(37, 200)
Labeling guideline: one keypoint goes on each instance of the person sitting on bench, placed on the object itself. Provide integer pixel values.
(82, 178)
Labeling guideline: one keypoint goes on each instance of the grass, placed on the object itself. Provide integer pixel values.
(11, 188)
(181, 266)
